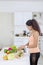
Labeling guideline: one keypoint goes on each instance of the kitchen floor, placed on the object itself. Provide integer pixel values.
(40, 62)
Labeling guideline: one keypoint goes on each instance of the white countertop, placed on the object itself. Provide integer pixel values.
(21, 61)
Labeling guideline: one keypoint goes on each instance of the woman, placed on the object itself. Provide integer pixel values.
(34, 28)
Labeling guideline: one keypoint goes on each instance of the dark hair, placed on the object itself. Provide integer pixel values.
(34, 25)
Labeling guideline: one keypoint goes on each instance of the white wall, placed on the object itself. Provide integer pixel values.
(21, 6)
(6, 29)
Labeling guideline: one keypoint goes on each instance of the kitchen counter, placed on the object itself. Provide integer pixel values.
(20, 61)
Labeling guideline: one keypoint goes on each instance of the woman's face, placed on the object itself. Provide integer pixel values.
(29, 27)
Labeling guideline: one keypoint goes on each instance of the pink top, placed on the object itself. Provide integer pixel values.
(31, 41)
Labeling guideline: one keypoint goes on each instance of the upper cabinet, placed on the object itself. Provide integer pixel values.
(21, 17)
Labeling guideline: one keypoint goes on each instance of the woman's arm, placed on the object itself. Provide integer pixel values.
(23, 46)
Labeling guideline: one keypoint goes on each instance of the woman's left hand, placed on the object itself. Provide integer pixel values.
(27, 46)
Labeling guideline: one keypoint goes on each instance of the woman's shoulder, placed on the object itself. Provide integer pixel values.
(36, 34)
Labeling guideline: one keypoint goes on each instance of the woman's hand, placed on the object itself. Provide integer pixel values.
(21, 47)
(27, 46)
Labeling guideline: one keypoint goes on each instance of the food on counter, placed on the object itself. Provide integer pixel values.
(11, 56)
(20, 53)
(14, 48)
(5, 50)
(8, 52)
(5, 57)
(12, 53)
(9, 48)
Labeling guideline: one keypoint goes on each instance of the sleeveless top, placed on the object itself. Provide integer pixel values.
(33, 50)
